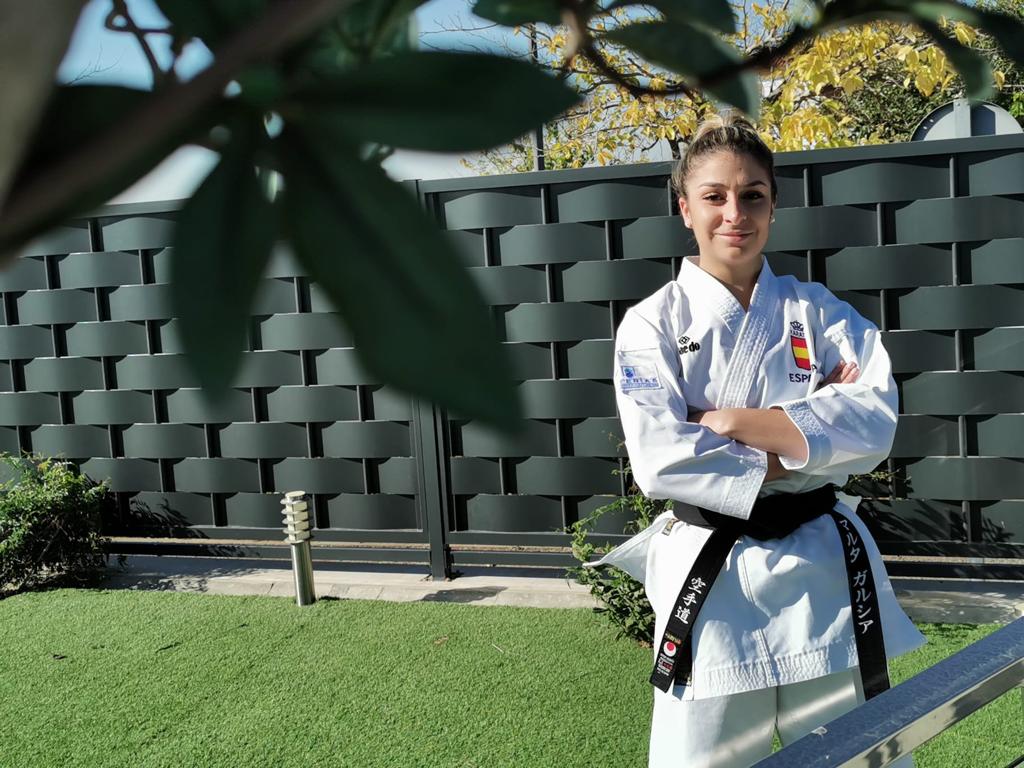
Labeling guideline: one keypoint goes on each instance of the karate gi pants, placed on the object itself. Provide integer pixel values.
(735, 731)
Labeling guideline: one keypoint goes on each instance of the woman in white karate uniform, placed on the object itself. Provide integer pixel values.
(734, 385)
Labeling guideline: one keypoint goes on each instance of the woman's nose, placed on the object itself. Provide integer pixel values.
(733, 210)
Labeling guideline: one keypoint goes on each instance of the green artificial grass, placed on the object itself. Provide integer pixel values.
(121, 678)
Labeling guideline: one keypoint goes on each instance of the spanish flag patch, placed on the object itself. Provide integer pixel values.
(801, 355)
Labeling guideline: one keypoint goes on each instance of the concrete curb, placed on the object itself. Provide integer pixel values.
(925, 600)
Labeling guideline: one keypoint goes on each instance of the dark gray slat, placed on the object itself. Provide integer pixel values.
(966, 306)
(67, 238)
(378, 511)
(597, 437)
(397, 475)
(131, 233)
(956, 219)
(163, 371)
(534, 438)
(141, 302)
(9, 442)
(790, 183)
(610, 200)
(993, 262)
(106, 339)
(556, 322)
(25, 342)
(162, 268)
(513, 513)
(274, 297)
(367, 439)
(614, 525)
(881, 181)
(999, 349)
(216, 475)
(999, 435)
(525, 538)
(114, 407)
(468, 246)
(267, 551)
(124, 474)
(869, 305)
(480, 209)
(304, 331)
(73, 441)
(193, 406)
(926, 436)
(158, 509)
(6, 379)
(63, 374)
(783, 263)
(569, 476)
(529, 361)
(318, 476)
(655, 237)
(312, 403)
(164, 441)
(567, 399)
(590, 359)
(99, 270)
(269, 369)
(952, 394)
(24, 274)
(889, 266)
(341, 366)
(995, 173)
(1002, 522)
(969, 479)
(390, 405)
(511, 285)
(319, 301)
(283, 263)
(614, 280)
(59, 306)
(470, 475)
(822, 227)
(556, 561)
(550, 244)
(909, 520)
(170, 336)
(255, 510)
(916, 351)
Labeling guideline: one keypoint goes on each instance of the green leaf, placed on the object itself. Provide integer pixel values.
(367, 29)
(695, 54)
(440, 101)
(514, 13)
(713, 14)
(972, 66)
(222, 243)
(209, 20)
(418, 321)
(75, 116)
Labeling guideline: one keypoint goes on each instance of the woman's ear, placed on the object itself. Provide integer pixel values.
(684, 211)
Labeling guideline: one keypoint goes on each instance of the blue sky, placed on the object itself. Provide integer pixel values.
(98, 56)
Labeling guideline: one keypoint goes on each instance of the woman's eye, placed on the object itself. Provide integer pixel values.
(754, 195)
(713, 198)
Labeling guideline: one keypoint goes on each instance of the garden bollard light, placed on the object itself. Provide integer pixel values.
(296, 528)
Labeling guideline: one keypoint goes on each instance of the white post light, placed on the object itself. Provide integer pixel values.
(296, 529)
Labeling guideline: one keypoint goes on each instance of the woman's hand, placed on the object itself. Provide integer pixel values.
(843, 373)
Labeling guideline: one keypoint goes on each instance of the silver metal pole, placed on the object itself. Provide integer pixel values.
(296, 528)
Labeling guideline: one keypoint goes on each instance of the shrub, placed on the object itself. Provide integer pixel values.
(49, 523)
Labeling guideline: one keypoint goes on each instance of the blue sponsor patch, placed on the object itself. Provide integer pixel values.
(638, 377)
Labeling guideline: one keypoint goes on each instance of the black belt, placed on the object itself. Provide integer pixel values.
(771, 518)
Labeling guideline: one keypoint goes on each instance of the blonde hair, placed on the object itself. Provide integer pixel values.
(731, 133)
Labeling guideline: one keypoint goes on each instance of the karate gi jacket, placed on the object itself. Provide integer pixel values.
(779, 611)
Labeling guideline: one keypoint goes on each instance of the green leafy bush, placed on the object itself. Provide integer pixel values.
(49, 523)
(623, 600)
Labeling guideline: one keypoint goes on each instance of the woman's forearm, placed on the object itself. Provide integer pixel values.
(768, 429)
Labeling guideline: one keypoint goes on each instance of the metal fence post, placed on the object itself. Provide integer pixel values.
(431, 477)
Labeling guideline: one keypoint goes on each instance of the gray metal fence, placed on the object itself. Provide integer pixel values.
(925, 239)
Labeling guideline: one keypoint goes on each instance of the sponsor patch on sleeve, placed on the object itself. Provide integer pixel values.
(639, 377)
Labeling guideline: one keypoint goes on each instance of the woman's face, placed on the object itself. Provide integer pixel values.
(729, 207)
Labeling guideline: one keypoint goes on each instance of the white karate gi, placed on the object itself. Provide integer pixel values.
(779, 612)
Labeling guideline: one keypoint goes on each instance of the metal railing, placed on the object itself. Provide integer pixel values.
(903, 718)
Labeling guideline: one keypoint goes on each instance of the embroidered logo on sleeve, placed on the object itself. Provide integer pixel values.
(801, 355)
(639, 377)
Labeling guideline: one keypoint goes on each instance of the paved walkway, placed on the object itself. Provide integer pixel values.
(931, 600)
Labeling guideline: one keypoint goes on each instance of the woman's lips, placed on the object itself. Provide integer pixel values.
(734, 237)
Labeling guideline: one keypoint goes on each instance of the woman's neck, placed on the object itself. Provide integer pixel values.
(739, 281)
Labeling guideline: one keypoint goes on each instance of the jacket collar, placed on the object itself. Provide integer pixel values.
(707, 289)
